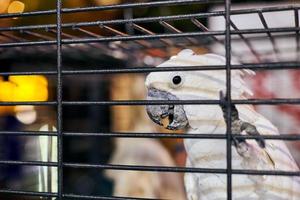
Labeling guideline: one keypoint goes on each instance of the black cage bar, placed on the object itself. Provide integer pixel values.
(40, 38)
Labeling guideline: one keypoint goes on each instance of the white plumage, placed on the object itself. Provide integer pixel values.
(204, 153)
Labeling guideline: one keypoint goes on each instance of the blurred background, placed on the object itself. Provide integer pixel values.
(246, 48)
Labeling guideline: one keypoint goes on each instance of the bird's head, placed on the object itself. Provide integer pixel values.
(188, 85)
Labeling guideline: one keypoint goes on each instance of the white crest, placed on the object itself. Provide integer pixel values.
(187, 57)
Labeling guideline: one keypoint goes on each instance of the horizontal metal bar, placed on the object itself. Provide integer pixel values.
(104, 22)
(264, 9)
(138, 5)
(27, 193)
(28, 163)
(144, 168)
(140, 102)
(75, 196)
(152, 4)
(34, 103)
(153, 168)
(118, 21)
(265, 172)
(69, 196)
(287, 137)
(259, 66)
(31, 43)
(147, 135)
(275, 101)
(29, 133)
(149, 37)
(29, 73)
(182, 102)
(181, 169)
(109, 7)
(26, 14)
(263, 37)
(20, 43)
(112, 38)
(157, 102)
(264, 30)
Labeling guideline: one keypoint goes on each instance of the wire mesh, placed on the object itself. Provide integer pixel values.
(62, 35)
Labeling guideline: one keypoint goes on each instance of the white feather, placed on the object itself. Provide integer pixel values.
(209, 119)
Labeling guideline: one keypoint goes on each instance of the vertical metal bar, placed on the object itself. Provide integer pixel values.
(228, 95)
(128, 14)
(297, 34)
(59, 101)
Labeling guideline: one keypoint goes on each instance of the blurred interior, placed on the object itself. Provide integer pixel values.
(256, 48)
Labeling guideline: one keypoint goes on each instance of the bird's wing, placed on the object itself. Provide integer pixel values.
(276, 149)
(275, 156)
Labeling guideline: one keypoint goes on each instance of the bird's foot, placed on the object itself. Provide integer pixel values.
(240, 145)
(237, 125)
(250, 129)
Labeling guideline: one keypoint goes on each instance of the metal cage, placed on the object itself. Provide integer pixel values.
(55, 36)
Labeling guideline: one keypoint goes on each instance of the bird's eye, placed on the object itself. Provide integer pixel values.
(176, 80)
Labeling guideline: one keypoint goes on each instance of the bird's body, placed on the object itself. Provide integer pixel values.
(212, 154)
(208, 119)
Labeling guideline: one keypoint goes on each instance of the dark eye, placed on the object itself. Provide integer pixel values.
(176, 80)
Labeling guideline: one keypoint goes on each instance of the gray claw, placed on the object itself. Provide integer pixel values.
(251, 130)
(240, 145)
(239, 126)
(237, 141)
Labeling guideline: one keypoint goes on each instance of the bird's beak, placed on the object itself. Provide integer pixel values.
(175, 113)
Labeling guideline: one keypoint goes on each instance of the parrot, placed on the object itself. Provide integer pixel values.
(247, 154)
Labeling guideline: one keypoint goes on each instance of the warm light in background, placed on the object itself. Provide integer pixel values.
(24, 88)
(107, 2)
(16, 7)
(3, 5)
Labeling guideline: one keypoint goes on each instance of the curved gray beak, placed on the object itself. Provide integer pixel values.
(175, 113)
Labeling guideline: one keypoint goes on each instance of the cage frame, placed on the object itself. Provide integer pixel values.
(59, 42)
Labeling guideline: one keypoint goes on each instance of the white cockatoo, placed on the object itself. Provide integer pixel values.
(209, 119)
